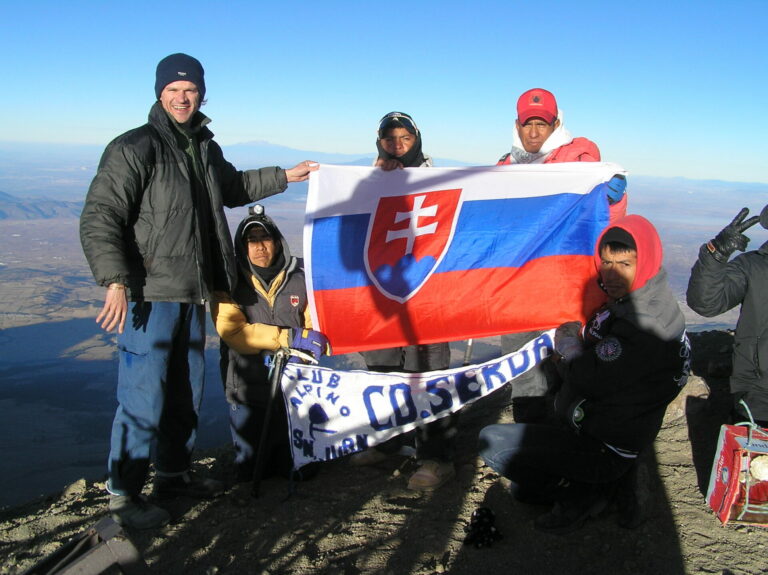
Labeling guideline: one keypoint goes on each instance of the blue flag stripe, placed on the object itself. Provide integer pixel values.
(489, 234)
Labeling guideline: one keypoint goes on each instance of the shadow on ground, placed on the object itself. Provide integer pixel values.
(364, 521)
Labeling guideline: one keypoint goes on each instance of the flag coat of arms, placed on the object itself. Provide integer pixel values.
(425, 255)
(407, 238)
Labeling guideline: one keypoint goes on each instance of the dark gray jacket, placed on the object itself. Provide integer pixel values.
(148, 222)
(279, 302)
(714, 288)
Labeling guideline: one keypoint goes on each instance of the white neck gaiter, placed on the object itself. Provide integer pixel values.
(558, 138)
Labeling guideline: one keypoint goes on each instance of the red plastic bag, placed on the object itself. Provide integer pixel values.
(738, 484)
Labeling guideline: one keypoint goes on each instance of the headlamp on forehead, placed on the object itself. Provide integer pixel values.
(397, 120)
(258, 218)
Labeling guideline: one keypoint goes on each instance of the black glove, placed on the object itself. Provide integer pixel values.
(731, 239)
(481, 530)
(568, 342)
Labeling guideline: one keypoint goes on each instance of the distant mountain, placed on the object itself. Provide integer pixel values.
(14, 208)
(59, 171)
(64, 171)
(259, 153)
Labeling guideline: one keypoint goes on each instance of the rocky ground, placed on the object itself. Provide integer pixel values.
(363, 520)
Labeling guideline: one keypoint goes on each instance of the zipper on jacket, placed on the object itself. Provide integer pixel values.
(228, 266)
(756, 359)
(193, 158)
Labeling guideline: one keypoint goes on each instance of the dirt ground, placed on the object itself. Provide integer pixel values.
(363, 520)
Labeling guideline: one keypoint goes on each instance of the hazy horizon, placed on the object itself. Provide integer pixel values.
(64, 171)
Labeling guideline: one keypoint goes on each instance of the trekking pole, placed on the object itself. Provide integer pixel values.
(468, 353)
(275, 374)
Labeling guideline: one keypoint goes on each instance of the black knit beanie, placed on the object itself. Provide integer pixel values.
(619, 235)
(179, 67)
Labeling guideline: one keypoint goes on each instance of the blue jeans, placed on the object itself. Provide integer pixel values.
(537, 457)
(159, 391)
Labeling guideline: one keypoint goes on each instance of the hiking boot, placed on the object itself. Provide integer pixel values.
(137, 512)
(633, 497)
(370, 456)
(244, 473)
(630, 513)
(569, 516)
(547, 492)
(305, 473)
(431, 475)
(187, 484)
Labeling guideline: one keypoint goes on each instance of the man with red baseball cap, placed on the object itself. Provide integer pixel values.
(541, 138)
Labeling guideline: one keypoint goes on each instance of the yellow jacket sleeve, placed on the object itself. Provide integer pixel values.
(232, 326)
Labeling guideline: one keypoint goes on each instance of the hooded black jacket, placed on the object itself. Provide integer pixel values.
(635, 358)
(149, 224)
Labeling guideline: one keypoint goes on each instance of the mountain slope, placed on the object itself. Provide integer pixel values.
(15, 208)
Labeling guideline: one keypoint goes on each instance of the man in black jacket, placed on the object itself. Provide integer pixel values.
(717, 285)
(154, 234)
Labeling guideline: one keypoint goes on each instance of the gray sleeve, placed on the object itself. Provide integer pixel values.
(714, 287)
(111, 204)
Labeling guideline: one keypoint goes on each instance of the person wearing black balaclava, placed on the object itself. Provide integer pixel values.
(399, 143)
(399, 146)
(717, 285)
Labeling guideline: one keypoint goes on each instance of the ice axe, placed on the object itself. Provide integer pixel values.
(279, 359)
(468, 353)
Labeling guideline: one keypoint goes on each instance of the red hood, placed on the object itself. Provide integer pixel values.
(649, 252)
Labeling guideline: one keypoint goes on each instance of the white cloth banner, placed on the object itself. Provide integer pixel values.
(335, 413)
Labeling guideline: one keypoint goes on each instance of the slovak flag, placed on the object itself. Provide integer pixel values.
(426, 255)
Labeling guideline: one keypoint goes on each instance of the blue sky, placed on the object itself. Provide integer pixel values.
(664, 88)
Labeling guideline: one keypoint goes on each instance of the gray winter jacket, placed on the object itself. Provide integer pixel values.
(715, 288)
(148, 222)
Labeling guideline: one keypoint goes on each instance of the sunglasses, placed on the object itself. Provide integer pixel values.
(396, 120)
